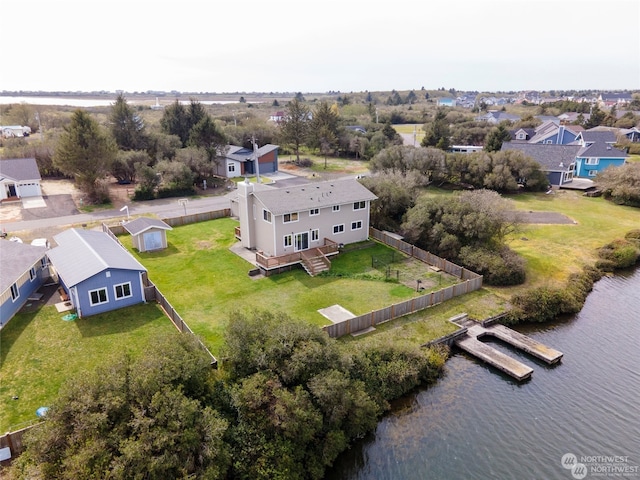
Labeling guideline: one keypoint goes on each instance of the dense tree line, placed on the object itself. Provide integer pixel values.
(621, 184)
(286, 402)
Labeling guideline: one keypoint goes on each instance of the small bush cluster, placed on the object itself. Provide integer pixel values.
(621, 253)
(498, 267)
(545, 303)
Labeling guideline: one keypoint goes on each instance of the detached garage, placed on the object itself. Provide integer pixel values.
(19, 178)
(148, 234)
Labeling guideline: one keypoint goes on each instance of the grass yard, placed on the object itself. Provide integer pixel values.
(205, 281)
(553, 252)
(39, 351)
(342, 166)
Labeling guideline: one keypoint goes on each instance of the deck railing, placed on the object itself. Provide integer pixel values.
(329, 248)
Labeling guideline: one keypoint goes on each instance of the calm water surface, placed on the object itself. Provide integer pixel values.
(476, 423)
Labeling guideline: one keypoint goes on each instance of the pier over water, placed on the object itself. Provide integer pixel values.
(468, 339)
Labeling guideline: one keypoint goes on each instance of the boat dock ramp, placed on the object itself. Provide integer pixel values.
(467, 339)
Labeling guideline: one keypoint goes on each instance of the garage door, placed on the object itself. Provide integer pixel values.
(30, 190)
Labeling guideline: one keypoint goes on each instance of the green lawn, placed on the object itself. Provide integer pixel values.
(205, 281)
(40, 350)
(554, 251)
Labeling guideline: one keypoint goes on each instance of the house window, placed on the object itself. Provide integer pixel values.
(290, 217)
(232, 167)
(338, 228)
(43, 262)
(15, 293)
(520, 136)
(335, 208)
(98, 296)
(32, 274)
(266, 215)
(314, 211)
(288, 240)
(593, 173)
(548, 142)
(356, 225)
(122, 291)
(315, 235)
(359, 205)
(591, 161)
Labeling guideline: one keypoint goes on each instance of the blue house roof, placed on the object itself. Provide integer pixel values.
(81, 254)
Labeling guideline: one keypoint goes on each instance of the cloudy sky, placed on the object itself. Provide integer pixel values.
(319, 45)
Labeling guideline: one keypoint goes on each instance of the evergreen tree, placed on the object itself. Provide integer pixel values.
(437, 132)
(294, 128)
(126, 127)
(85, 152)
(496, 137)
(175, 121)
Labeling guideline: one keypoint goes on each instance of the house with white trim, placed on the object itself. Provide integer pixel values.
(242, 161)
(23, 269)
(301, 224)
(19, 177)
(96, 272)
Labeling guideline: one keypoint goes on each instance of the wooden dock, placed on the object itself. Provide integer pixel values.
(470, 343)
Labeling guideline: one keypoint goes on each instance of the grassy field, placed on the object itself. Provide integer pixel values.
(410, 129)
(39, 350)
(205, 281)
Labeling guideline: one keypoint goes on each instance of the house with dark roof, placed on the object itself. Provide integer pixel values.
(242, 162)
(597, 152)
(552, 132)
(522, 134)
(609, 99)
(302, 224)
(23, 269)
(148, 234)
(96, 272)
(557, 161)
(19, 177)
(495, 117)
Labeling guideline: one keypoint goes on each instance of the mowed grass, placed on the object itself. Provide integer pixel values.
(40, 350)
(553, 252)
(205, 282)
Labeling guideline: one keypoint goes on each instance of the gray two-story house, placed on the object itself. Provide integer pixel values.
(302, 224)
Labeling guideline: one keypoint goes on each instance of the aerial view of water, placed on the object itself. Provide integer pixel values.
(578, 419)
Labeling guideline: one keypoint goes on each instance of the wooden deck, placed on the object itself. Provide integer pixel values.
(329, 248)
(470, 343)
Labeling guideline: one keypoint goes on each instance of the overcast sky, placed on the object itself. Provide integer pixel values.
(319, 45)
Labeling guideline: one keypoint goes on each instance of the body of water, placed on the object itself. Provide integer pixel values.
(476, 423)
(97, 102)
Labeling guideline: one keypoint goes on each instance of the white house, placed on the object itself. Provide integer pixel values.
(15, 131)
(19, 177)
(302, 224)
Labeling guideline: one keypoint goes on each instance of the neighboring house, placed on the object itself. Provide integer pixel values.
(23, 269)
(148, 234)
(557, 161)
(551, 132)
(19, 177)
(240, 161)
(277, 117)
(15, 131)
(522, 134)
(465, 148)
(446, 102)
(597, 152)
(617, 98)
(302, 223)
(495, 117)
(571, 117)
(631, 134)
(97, 273)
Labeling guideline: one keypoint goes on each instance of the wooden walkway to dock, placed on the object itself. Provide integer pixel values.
(472, 331)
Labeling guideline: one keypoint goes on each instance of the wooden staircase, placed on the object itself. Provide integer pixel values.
(315, 262)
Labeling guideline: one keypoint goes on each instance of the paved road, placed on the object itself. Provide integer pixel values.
(163, 208)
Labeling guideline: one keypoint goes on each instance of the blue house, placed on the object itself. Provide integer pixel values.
(557, 161)
(597, 153)
(23, 269)
(97, 273)
(552, 133)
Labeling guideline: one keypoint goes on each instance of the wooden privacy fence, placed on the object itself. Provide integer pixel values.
(13, 442)
(151, 293)
(471, 282)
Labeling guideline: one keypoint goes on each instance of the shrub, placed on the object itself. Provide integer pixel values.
(175, 192)
(305, 163)
(621, 253)
(142, 193)
(634, 149)
(500, 268)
